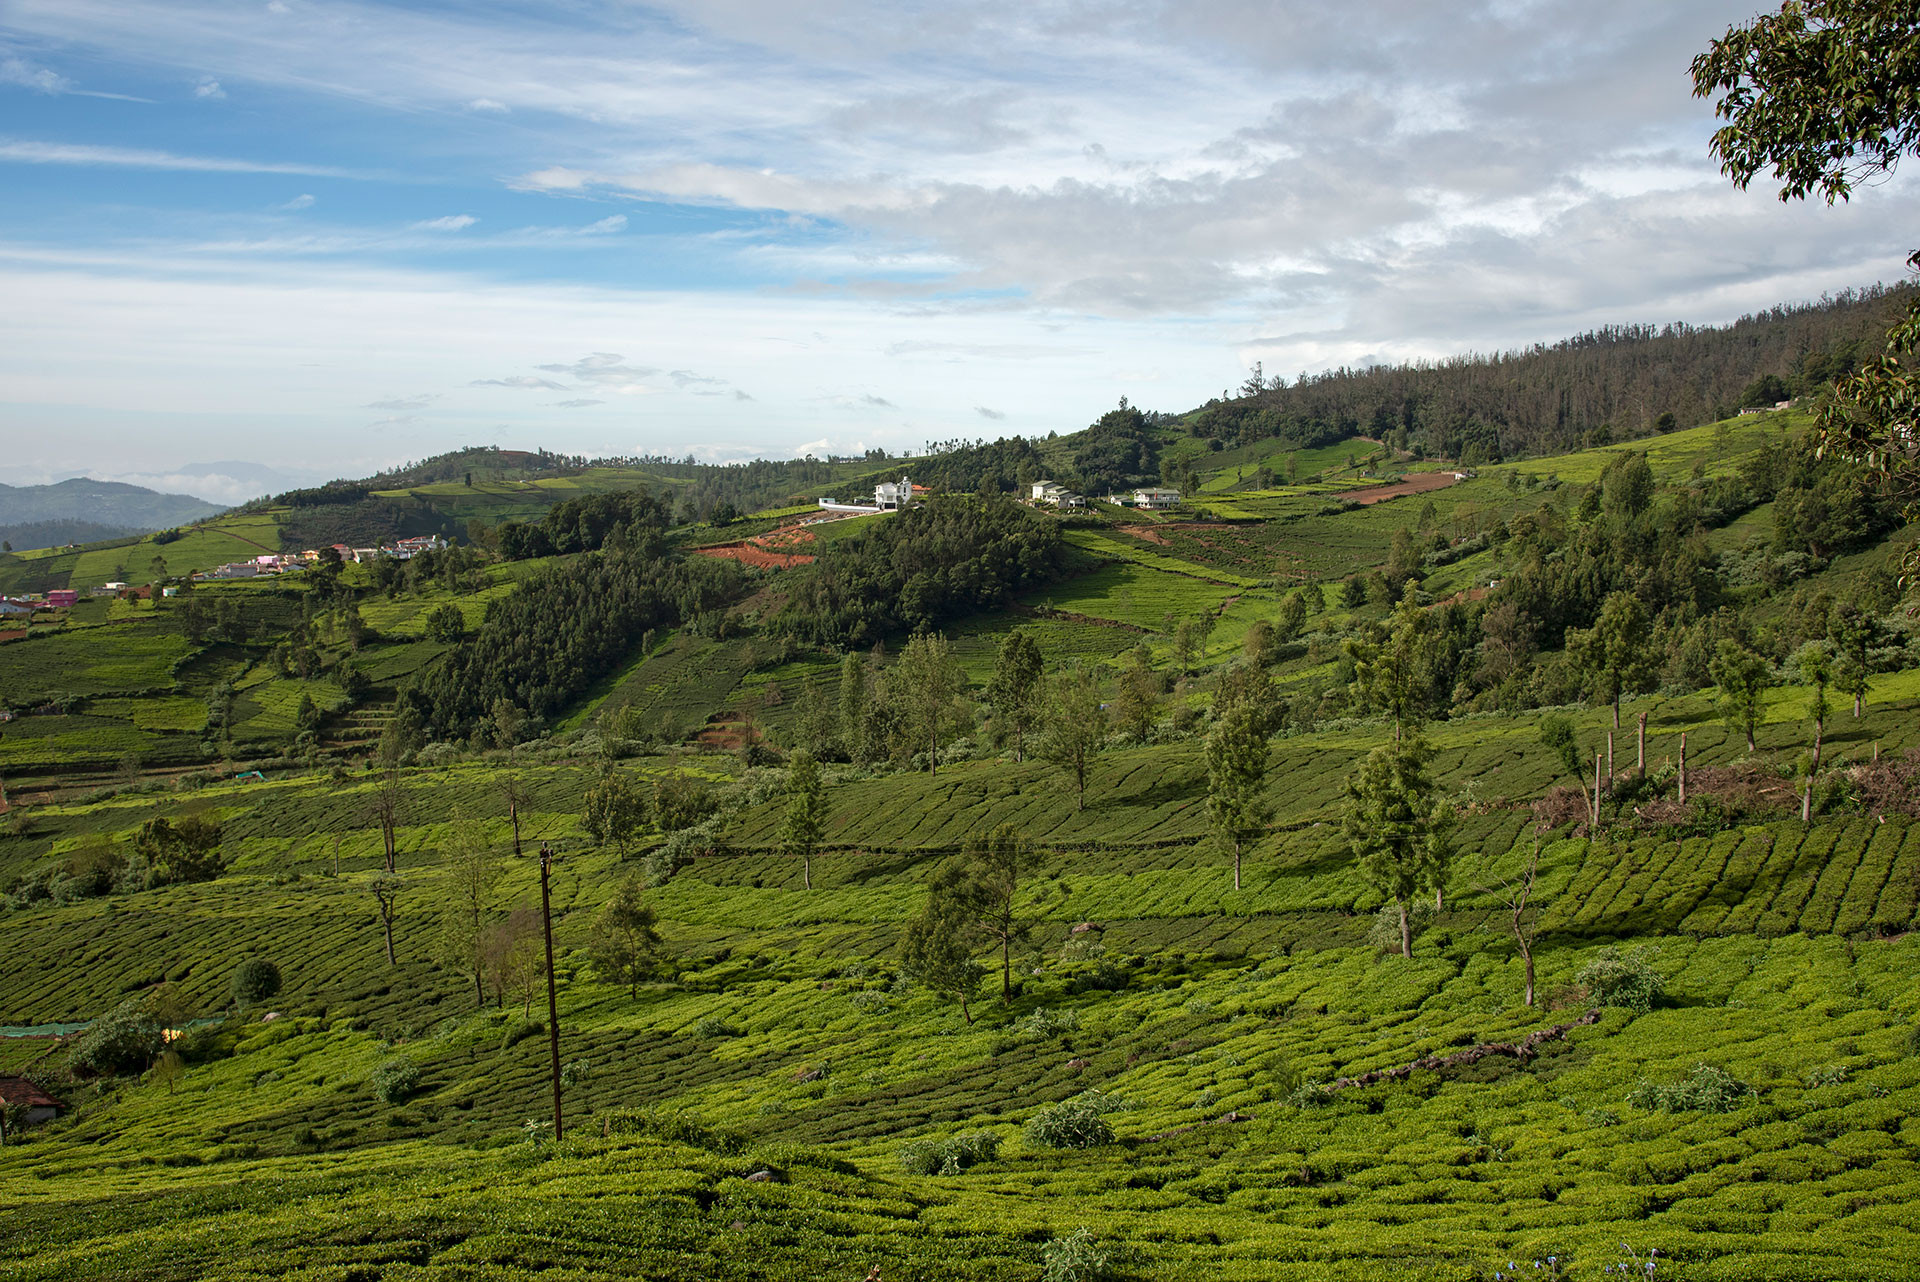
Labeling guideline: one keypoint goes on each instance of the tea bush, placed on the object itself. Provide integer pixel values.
(1628, 979)
(1705, 1090)
(949, 1155)
(395, 1081)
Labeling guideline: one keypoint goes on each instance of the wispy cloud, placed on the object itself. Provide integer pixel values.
(208, 87)
(55, 153)
(996, 415)
(302, 201)
(18, 71)
(608, 370)
(452, 222)
(579, 404)
(419, 402)
(520, 380)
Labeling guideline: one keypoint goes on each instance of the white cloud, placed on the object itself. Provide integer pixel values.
(302, 201)
(208, 87)
(419, 402)
(452, 222)
(606, 226)
(487, 104)
(53, 153)
(520, 380)
(16, 71)
(818, 447)
(580, 404)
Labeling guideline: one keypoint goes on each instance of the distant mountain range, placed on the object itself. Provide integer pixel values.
(110, 503)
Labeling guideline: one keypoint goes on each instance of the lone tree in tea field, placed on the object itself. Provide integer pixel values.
(385, 889)
(930, 682)
(1236, 753)
(1743, 678)
(1014, 692)
(1815, 662)
(614, 810)
(1075, 726)
(1397, 828)
(983, 887)
(937, 951)
(624, 945)
(254, 980)
(473, 868)
(1615, 656)
(806, 807)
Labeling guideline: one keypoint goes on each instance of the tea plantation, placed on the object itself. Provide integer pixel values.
(1189, 1079)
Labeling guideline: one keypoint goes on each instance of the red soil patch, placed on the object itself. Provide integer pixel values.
(758, 557)
(13, 635)
(1418, 483)
(769, 551)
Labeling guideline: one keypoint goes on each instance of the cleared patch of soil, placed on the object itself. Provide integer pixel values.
(773, 550)
(1418, 483)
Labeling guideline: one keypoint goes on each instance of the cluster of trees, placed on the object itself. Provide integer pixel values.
(943, 559)
(633, 520)
(1618, 578)
(1120, 449)
(541, 647)
(1615, 383)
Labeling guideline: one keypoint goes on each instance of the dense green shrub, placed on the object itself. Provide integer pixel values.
(1044, 1024)
(1072, 1123)
(395, 1081)
(520, 1030)
(254, 980)
(1081, 1257)
(124, 1040)
(712, 1028)
(1705, 1090)
(949, 1155)
(1628, 979)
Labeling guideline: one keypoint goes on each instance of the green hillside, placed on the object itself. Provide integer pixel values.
(1190, 1079)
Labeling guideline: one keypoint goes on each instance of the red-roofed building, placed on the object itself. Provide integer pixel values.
(19, 1092)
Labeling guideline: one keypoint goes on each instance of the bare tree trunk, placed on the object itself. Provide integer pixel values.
(1596, 790)
(1006, 968)
(1406, 931)
(1439, 899)
(806, 871)
(1683, 767)
(1236, 863)
(386, 922)
(1526, 955)
(1640, 758)
(1610, 756)
(1616, 711)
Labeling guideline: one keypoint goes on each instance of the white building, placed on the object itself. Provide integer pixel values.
(893, 494)
(1157, 499)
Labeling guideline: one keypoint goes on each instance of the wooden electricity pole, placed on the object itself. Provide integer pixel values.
(553, 1004)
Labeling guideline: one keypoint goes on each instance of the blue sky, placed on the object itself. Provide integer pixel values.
(325, 236)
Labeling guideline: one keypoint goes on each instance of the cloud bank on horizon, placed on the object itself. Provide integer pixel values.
(325, 236)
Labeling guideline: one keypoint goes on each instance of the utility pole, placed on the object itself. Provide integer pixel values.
(553, 1004)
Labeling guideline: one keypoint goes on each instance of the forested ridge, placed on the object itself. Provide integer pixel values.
(1613, 383)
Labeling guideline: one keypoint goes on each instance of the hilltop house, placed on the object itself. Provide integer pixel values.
(893, 494)
(1156, 499)
(63, 598)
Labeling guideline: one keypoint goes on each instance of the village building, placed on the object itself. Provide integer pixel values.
(18, 1092)
(1157, 499)
(893, 495)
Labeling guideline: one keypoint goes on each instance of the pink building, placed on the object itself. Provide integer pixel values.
(63, 598)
